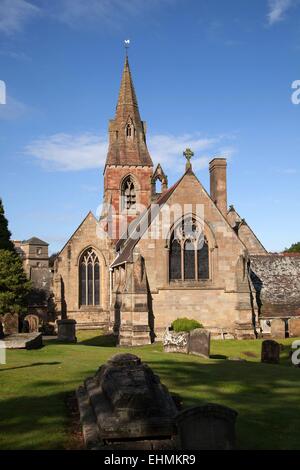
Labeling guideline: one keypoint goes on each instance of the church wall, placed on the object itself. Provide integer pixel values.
(215, 302)
(68, 268)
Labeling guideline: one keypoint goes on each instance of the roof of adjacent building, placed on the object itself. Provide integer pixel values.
(34, 241)
(276, 279)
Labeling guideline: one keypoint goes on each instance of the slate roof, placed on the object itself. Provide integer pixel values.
(276, 280)
(34, 241)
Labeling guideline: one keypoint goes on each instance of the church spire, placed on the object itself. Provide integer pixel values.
(127, 132)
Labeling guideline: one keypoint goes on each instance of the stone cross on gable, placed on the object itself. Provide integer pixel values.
(188, 155)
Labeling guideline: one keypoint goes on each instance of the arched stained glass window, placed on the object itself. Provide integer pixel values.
(89, 278)
(203, 260)
(189, 260)
(189, 253)
(175, 261)
(128, 193)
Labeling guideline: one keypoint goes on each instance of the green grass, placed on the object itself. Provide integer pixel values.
(34, 384)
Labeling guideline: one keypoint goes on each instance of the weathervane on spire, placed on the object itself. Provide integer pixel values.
(188, 155)
(126, 45)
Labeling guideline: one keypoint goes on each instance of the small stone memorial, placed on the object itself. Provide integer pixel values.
(176, 342)
(270, 352)
(10, 323)
(278, 328)
(207, 427)
(199, 342)
(196, 342)
(31, 323)
(294, 327)
(125, 406)
(66, 330)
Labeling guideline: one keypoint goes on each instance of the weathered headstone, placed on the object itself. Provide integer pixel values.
(278, 328)
(199, 342)
(176, 342)
(11, 323)
(126, 403)
(66, 330)
(294, 327)
(32, 323)
(270, 352)
(207, 427)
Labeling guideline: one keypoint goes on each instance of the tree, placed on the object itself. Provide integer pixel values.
(294, 248)
(5, 242)
(14, 285)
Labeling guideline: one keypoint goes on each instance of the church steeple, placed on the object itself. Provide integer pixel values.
(128, 169)
(127, 132)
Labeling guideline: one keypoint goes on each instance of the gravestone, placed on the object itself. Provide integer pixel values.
(199, 342)
(66, 330)
(32, 323)
(294, 327)
(207, 427)
(176, 342)
(278, 328)
(270, 352)
(125, 406)
(11, 323)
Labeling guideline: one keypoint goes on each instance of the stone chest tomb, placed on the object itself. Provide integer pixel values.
(125, 401)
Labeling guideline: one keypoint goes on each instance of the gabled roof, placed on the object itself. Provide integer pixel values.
(239, 222)
(143, 223)
(80, 225)
(34, 241)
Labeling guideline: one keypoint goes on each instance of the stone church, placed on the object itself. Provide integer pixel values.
(159, 253)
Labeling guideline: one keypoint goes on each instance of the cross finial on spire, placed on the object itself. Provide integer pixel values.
(126, 45)
(188, 155)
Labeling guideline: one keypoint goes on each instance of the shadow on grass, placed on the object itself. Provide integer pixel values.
(35, 364)
(217, 356)
(266, 397)
(107, 341)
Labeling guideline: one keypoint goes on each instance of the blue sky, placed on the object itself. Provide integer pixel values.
(213, 75)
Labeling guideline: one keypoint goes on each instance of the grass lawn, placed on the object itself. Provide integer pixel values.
(34, 385)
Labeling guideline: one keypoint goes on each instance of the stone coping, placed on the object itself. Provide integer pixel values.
(23, 341)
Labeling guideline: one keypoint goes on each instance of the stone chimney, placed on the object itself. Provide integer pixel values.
(218, 183)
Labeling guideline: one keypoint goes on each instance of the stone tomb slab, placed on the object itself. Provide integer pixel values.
(199, 342)
(126, 402)
(294, 327)
(278, 328)
(24, 341)
(270, 352)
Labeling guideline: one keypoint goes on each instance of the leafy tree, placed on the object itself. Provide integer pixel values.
(294, 248)
(14, 285)
(5, 242)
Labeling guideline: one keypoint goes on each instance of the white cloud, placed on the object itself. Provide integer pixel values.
(110, 12)
(13, 109)
(278, 9)
(15, 14)
(67, 152)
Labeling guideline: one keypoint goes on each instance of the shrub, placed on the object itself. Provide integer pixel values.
(185, 324)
